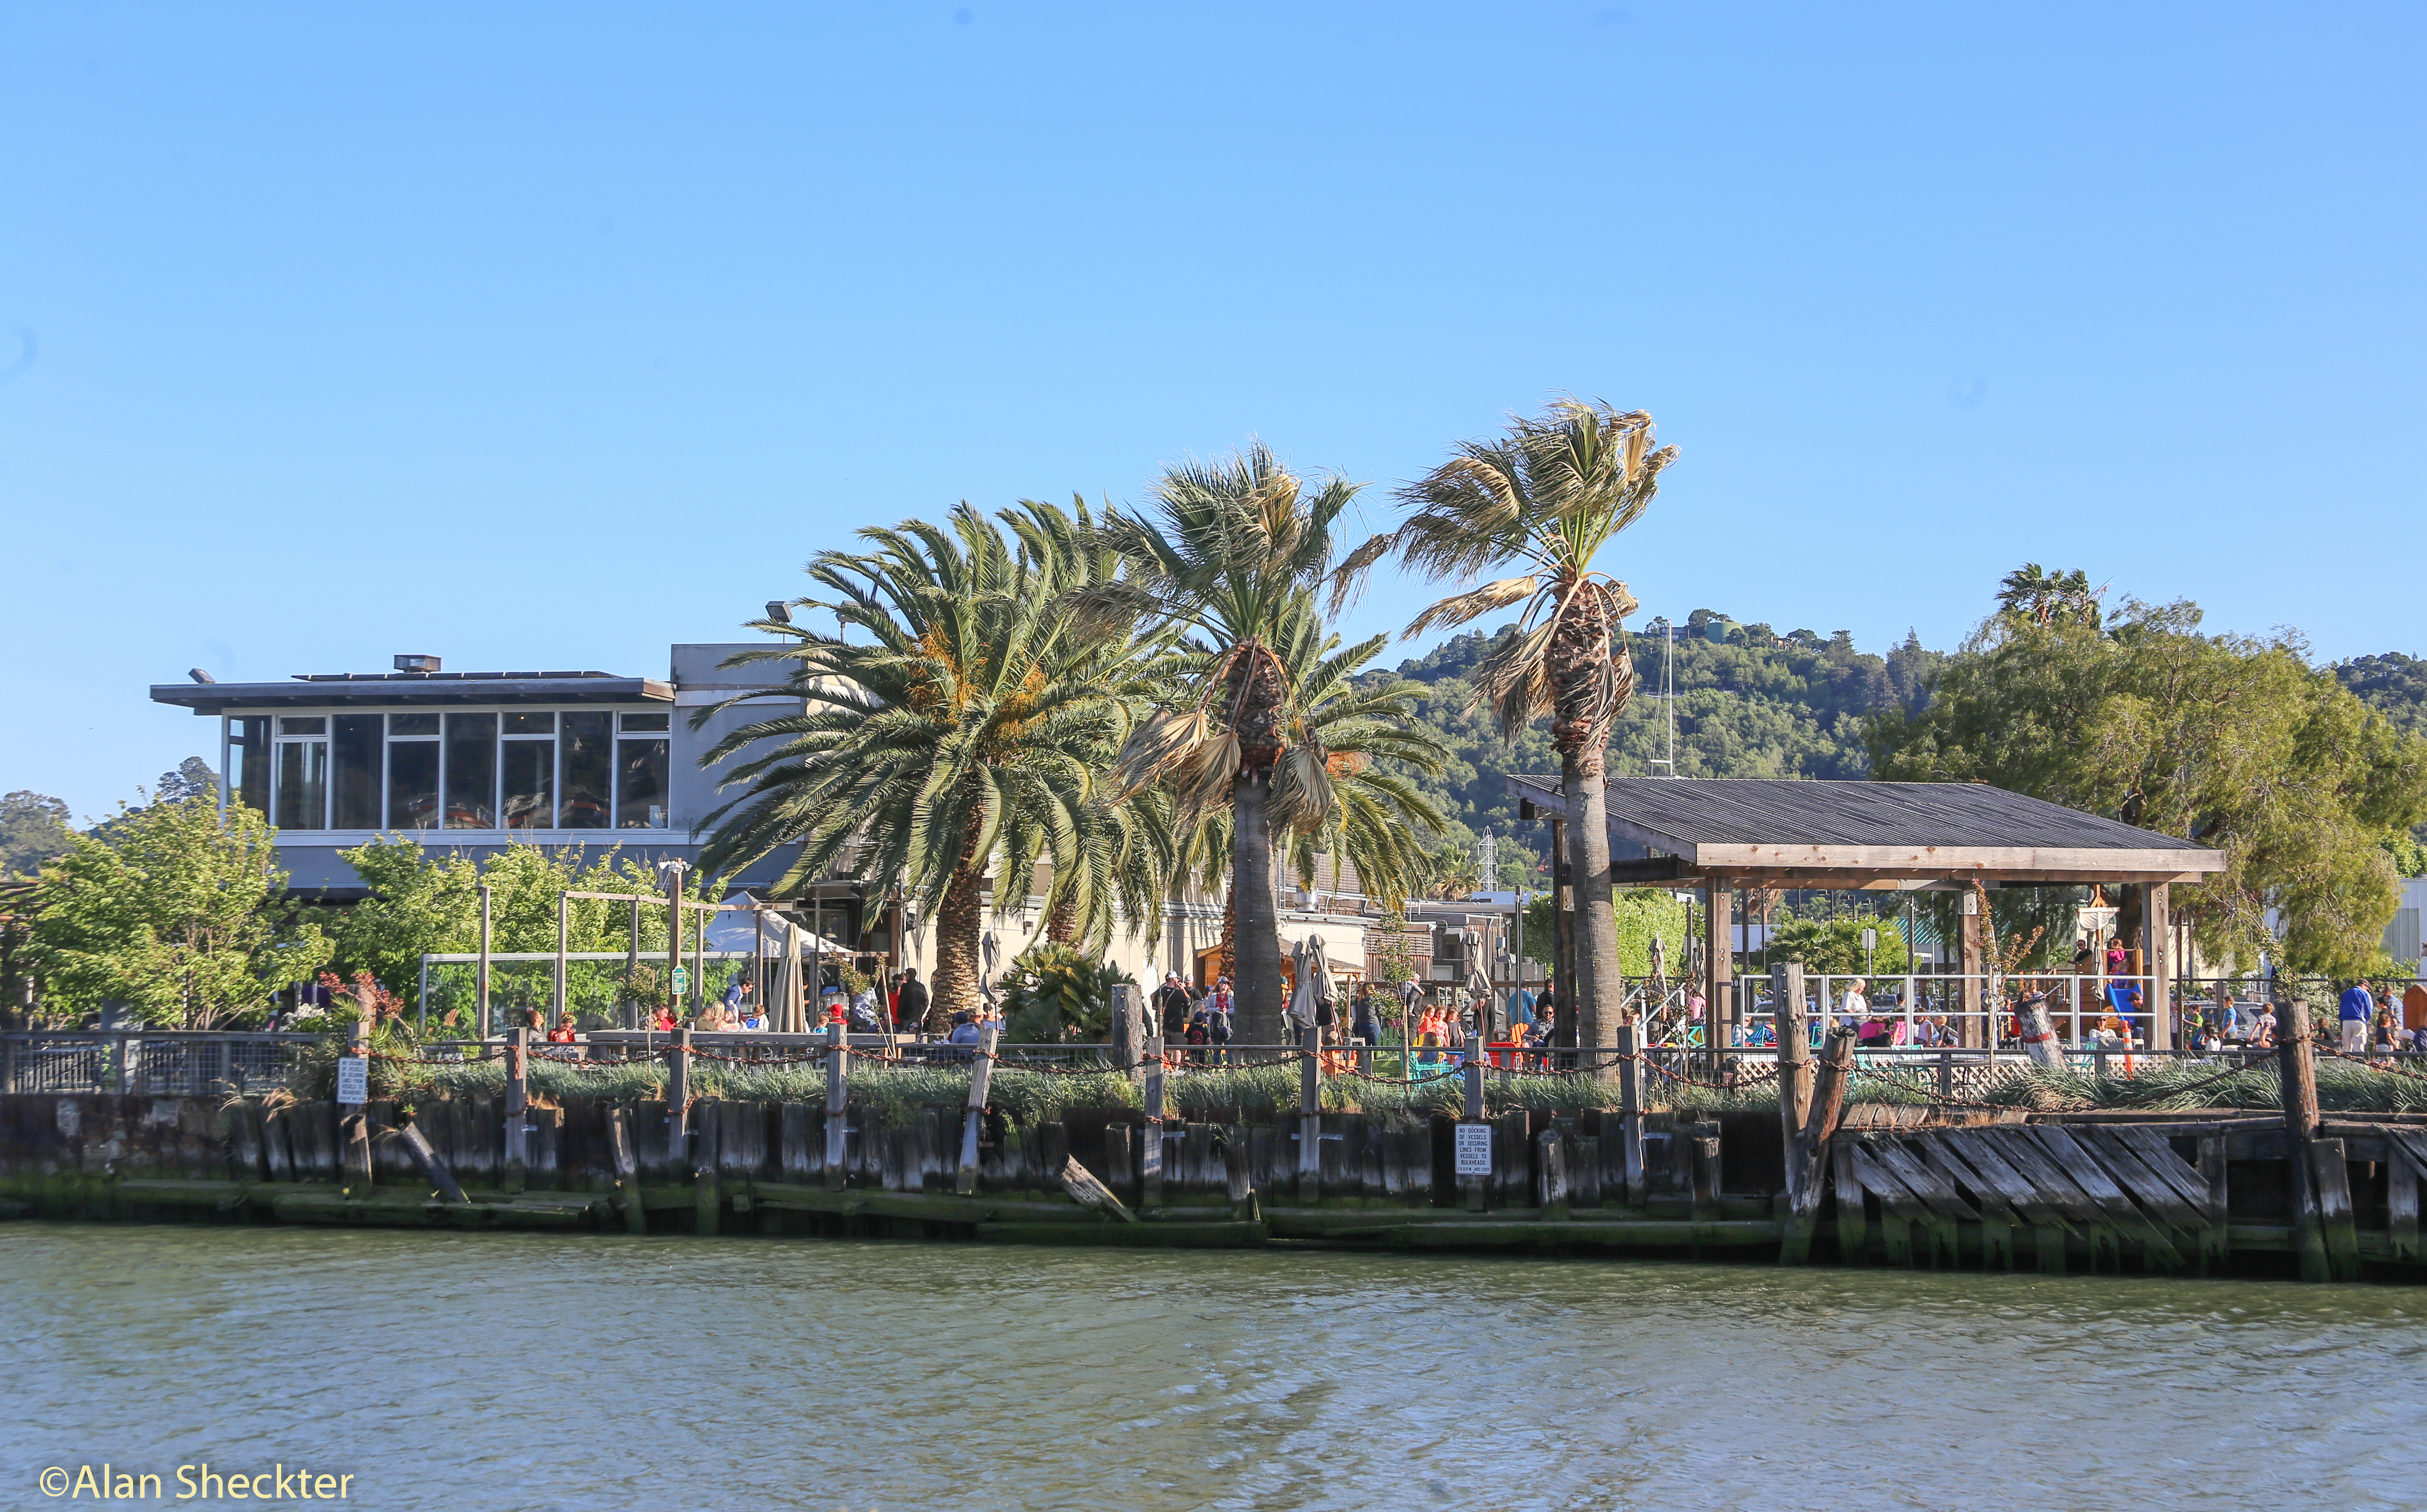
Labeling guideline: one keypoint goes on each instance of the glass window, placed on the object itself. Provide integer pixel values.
(302, 724)
(248, 761)
(412, 725)
(471, 771)
(354, 778)
(644, 721)
(589, 772)
(529, 769)
(302, 784)
(530, 725)
(641, 790)
(412, 783)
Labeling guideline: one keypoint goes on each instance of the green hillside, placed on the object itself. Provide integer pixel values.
(1752, 704)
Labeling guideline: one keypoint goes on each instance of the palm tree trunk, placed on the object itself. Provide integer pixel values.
(1600, 993)
(1578, 1001)
(1062, 922)
(959, 916)
(1256, 982)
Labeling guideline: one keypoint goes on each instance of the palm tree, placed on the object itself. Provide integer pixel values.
(1546, 498)
(954, 722)
(2044, 597)
(1227, 557)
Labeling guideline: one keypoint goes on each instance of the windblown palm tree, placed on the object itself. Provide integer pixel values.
(1228, 555)
(2047, 597)
(955, 721)
(1546, 498)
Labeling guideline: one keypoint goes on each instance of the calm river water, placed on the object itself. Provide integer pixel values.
(500, 1371)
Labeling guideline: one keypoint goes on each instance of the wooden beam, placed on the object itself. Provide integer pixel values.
(1946, 860)
(2159, 928)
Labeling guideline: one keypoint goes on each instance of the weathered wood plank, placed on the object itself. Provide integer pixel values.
(2114, 1203)
(2131, 1171)
(1901, 1211)
(2336, 1220)
(2156, 1151)
(2402, 1202)
(1997, 1217)
(1853, 1222)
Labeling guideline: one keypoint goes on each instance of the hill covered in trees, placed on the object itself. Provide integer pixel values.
(1750, 702)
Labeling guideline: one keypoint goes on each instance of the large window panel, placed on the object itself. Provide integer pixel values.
(302, 784)
(641, 785)
(589, 772)
(531, 784)
(248, 761)
(413, 783)
(471, 771)
(354, 743)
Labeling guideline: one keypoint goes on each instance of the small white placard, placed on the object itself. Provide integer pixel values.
(353, 1078)
(1475, 1149)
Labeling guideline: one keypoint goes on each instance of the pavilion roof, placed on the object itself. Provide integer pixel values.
(1813, 833)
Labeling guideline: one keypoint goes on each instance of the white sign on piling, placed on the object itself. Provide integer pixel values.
(353, 1080)
(1475, 1149)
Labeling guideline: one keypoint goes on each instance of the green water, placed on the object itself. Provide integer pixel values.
(502, 1371)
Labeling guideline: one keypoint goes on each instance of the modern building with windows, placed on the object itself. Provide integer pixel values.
(478, 760)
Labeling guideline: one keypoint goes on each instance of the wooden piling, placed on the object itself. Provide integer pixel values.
(678, 1088)
(2219, 1242)
(1309, 1115)
(2401, 1194)
(517, 1145)
(355, 1126)
(2298, 1072)
(627, 1169)
(1809, 1158)
(1789, 1009)
(1150, 1150)
(1630, 1111)
(2330, 1177)
(838, 1104)
(965, 1179)
(432, 1170)
(705, 1189)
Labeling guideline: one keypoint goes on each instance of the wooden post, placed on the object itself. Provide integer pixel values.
(1128, 1032)
(1719, 969)
(965, 1179)
(838, 1102)
(678, 1090)
(708, 1197)
(2159, 998)
(1974, 967)
(563, 994)
(1473, 1190)
(1150, 1154)
(1088, 1192)
(1705, 1153)
(631, 966)
(627, 1170)
(1789, 1007)
(480, 988)
(517, 1109)
(2212, 1171)
(1630, 1105)
(1811, 1151)
(2337, 1224)
(1309, 1115)
(2298, 1073)
(434, 1170)
(357, 1125)
(674, 926)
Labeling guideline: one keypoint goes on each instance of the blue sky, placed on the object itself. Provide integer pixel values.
(543, 337)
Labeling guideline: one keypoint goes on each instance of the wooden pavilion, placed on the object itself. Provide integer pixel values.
(1722, 835)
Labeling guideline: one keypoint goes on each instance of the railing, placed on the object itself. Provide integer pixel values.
(154, 1062)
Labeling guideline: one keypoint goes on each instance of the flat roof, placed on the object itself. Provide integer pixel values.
(1821, 832)
(388, 690)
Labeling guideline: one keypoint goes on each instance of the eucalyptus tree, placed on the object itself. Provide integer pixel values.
(1545, 498)
(1227, 555)
(941, 718)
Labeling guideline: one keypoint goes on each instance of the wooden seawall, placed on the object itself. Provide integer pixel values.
(1902, 1186)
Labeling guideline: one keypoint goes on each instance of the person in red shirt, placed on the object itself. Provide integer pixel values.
(563, 1033)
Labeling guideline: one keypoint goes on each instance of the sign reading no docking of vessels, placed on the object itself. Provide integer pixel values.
(1475, 1149)
(353, 1078)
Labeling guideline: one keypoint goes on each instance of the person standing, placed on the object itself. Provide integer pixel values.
(910, 1002)
(2357, 1008)
(1171, 1005)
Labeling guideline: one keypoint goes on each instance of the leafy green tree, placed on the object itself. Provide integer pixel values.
(1544, 500)
(1835, 946)
(959, 722)
(33, 828)
(174, 911)
(429, 903)
(2232, 740)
